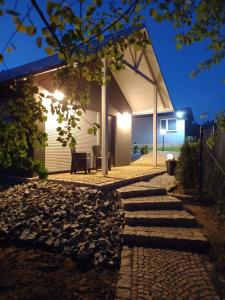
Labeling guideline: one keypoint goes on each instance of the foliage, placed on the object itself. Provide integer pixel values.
(215, 184)
(75, 31)
(135, 148)
(144, 149)
(187, 170)
(82, 21)
(220, 124)
(19, 115)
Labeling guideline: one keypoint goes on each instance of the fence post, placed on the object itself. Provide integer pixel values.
(201, 163)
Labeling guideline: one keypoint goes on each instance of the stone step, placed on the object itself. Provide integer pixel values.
(160, 218)
(191, 239)
(140, 189)
(152, 202)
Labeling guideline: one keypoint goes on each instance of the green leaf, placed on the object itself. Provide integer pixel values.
(98, 2)
(101, 37)
(39, 41)
(31, 30)
(1, 58)
(90, 10)
(90, 131)
(49, 51)
(179, 46)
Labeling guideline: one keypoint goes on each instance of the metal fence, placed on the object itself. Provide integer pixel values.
(213, 163)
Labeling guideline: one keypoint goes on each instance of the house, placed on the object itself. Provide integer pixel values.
(172, 128)
(138, 89)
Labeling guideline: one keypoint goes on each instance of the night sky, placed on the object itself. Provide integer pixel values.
(205, 93)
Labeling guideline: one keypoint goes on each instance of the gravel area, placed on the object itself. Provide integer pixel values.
(142, 166)
(116, 174)
(81, 222)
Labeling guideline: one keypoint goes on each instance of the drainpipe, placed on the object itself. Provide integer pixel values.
(104, 122)
(155, 127)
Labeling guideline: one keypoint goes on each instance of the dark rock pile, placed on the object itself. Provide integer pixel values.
(82, 222)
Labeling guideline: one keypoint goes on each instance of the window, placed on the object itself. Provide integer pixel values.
(168, 124)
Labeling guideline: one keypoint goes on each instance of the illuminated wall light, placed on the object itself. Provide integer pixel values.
(124, 120)
(163, 131)
(58, 95)
(170, 156)
(179, 114)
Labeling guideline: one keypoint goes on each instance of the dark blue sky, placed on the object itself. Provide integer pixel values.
(205, 93)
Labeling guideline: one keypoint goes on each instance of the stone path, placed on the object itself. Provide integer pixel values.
(161, 263)
(150, 274)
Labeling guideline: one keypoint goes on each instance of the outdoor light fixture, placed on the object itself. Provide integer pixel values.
(124, 120)
(179, 114)
(163, 132)
(170, 156)
(58, 95)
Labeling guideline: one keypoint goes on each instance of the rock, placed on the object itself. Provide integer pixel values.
(77, 221)
(24, 234)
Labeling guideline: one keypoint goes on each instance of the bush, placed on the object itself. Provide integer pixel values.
(214, 184)
(39, 167)
(144, 149)
(187, 170)
(135, 148)
(25, 167)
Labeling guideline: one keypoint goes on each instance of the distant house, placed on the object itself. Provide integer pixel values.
(139, 88)
(174, 127)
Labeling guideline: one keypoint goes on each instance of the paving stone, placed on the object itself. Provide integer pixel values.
(174, 276)
(160, 218)
(152, 203)
(166, 237)
(140, 189)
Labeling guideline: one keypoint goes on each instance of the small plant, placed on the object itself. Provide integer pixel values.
(135, 148)
(187, 170)
(144, 149)
(38, 166)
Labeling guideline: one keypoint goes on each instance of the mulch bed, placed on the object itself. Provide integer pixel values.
(35, 274)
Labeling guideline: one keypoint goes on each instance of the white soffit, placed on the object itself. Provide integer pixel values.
(138, 91)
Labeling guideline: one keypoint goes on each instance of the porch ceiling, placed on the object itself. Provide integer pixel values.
(137, 82)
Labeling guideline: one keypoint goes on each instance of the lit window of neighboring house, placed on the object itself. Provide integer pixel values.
(168, 124)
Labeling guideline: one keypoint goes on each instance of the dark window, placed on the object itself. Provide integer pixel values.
(172, 125)
(163, 124)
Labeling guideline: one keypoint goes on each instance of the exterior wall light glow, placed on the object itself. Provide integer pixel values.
(179, 114)
(163, 131)
(170, 156)
(124, 120)
(58, 95)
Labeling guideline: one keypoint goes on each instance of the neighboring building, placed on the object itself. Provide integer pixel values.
(175, 126)
(133, 90)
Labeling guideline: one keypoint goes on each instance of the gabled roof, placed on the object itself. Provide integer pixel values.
(53, 61)
(138, 81)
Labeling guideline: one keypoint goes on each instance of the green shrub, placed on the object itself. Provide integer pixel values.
(214, 184)
(187, 170)
(144, 149)
(25, 167)
(135, 148)
(39, 168)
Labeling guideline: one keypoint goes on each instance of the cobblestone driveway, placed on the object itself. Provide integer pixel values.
(164, 274)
